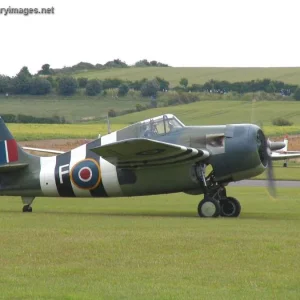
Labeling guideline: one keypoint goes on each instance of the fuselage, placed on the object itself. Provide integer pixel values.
(82, 173)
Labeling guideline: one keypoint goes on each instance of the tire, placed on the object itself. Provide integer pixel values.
(27, 208)
(209, 208)
(230, 207)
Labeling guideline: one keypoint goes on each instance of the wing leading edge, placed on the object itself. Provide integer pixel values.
(135, 153)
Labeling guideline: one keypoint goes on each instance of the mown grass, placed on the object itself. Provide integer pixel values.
(151, 248)
(292, 172)
(197, 75)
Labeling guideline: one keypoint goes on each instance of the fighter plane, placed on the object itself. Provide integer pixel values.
(155, 156)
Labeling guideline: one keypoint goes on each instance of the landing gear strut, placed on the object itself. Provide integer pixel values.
(215, 202)
(27, 201)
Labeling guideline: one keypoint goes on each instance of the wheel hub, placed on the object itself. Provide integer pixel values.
(228, 208)
(208, 209)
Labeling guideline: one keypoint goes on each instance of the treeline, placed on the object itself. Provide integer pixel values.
(266, 85)
(85, 66)
(26, 83)
(11, 118)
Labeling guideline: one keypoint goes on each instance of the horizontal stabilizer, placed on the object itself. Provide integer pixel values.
(44, 150)
(12, 167)
(134, 153)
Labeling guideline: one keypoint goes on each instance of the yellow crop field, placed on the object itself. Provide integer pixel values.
(27, 132)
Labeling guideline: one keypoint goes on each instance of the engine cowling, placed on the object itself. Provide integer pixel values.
(245, 153)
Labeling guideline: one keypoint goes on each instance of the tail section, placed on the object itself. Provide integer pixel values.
(12, 156)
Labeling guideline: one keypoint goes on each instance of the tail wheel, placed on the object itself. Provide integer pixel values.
(209, 208)
(230, 207)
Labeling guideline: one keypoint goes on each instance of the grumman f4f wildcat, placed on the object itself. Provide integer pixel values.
(155, 156)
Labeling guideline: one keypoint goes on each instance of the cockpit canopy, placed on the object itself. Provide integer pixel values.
(150, 128)
(160, 125)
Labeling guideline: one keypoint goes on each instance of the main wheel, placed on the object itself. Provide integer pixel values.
(209, 208)
(230, 207)
(27, 208)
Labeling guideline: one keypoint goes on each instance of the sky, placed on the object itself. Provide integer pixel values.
(190, 33)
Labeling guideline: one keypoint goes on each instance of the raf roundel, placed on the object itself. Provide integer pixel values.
(86, 174)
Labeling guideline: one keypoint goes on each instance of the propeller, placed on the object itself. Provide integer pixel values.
(265, 151)
(270, 172)
(266, 148)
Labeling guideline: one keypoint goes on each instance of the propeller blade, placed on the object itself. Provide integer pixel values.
(270, 172)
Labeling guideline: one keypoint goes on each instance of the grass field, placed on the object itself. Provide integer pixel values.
(198, 75)
(73, 109)
(199, 113)
(151, 248)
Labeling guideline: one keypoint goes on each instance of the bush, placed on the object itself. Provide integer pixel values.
(10, 118)
(281, 122)
(67, 86)
(150, 88)
(112, 113)
(123, 89)
(93, 87)
(297, 94)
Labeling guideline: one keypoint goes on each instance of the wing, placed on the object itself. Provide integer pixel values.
(286, 155)
(133, 153)
(43, 150)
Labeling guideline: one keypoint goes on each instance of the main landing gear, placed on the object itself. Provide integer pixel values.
(215, 202)
(27, 201)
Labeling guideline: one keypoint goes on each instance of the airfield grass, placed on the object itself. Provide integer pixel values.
(197, 75)
(151, 248)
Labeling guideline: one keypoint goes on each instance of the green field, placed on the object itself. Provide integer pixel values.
(151, 248)
(74, 109)
(222, 112)
(197, 75)
(198, 113)
(227, 112)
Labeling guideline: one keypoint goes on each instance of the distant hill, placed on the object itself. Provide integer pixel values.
(196, 75)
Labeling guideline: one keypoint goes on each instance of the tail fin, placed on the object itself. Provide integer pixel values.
(11, 154)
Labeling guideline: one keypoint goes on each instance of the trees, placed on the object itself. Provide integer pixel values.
(93, 87)
(111, 83)
(40, 86)
(163, 84)
(123, 89)
(150, 88)
(5, 82)
(82, 82)
(184, 82)
(21, 83)
(67, 85)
